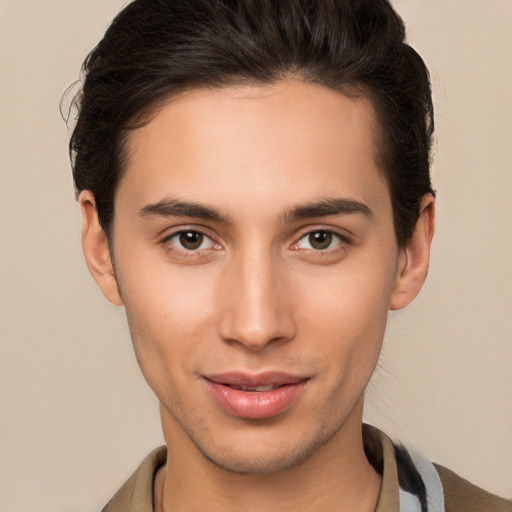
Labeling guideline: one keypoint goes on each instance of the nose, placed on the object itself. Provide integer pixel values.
(257, 304)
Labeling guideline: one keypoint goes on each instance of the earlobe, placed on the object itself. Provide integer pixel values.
(413, 260)
(96, 249)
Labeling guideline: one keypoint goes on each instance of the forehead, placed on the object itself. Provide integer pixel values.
(287, 140)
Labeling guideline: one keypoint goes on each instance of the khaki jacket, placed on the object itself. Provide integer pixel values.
(136, 495)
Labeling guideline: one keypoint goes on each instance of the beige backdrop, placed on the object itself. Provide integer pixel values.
(76, 416)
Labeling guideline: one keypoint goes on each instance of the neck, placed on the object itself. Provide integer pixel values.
(337, 477)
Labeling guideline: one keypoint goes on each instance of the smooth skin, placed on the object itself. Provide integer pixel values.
(227, 259)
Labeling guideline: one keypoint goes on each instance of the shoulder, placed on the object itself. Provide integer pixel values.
(462, 496)
(136, 495)
(423, 485)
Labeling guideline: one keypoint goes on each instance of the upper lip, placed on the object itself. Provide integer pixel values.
(255, 380)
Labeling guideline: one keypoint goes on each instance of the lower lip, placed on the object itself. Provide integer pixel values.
(255, 405)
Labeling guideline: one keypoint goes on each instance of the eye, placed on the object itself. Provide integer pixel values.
(319, 240)
(190, 240)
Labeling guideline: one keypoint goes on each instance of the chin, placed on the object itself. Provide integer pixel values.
(252, 457)
(246, 464)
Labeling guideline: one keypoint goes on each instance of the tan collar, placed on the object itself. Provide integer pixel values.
(389, 492)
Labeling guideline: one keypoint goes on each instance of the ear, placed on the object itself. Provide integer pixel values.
(413, 259)
(96, 249)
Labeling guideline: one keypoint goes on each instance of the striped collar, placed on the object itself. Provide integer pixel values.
(410, 483)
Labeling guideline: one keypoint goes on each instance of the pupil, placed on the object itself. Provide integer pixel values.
(320, 240)
(191, 240)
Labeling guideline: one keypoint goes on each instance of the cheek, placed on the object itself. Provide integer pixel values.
(167, 309)
(157, 293)
(352, 301)
(347, 318)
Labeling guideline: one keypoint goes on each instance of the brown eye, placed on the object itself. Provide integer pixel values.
(190, 243)
(191, 240)
(320, 240)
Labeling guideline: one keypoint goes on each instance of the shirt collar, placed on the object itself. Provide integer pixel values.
(136, 495)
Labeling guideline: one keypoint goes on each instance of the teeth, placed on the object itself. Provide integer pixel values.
(268, 387)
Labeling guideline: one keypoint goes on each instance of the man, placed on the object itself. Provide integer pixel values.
(254, 184)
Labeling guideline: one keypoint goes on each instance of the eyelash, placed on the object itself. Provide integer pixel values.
(343, 243)
(188, 253)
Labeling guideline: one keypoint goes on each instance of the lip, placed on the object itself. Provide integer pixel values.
(255, 404)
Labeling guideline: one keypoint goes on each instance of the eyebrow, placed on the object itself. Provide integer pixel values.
(321, 208)
(178, 208)
(325, 207)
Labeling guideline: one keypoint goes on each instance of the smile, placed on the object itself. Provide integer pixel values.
(255, 397)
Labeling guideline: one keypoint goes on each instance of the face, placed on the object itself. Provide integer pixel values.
(256, 257)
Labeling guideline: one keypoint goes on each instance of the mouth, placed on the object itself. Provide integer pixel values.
(255, 396)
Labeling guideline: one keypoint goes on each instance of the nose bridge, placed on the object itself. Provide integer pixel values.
(256, 311)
